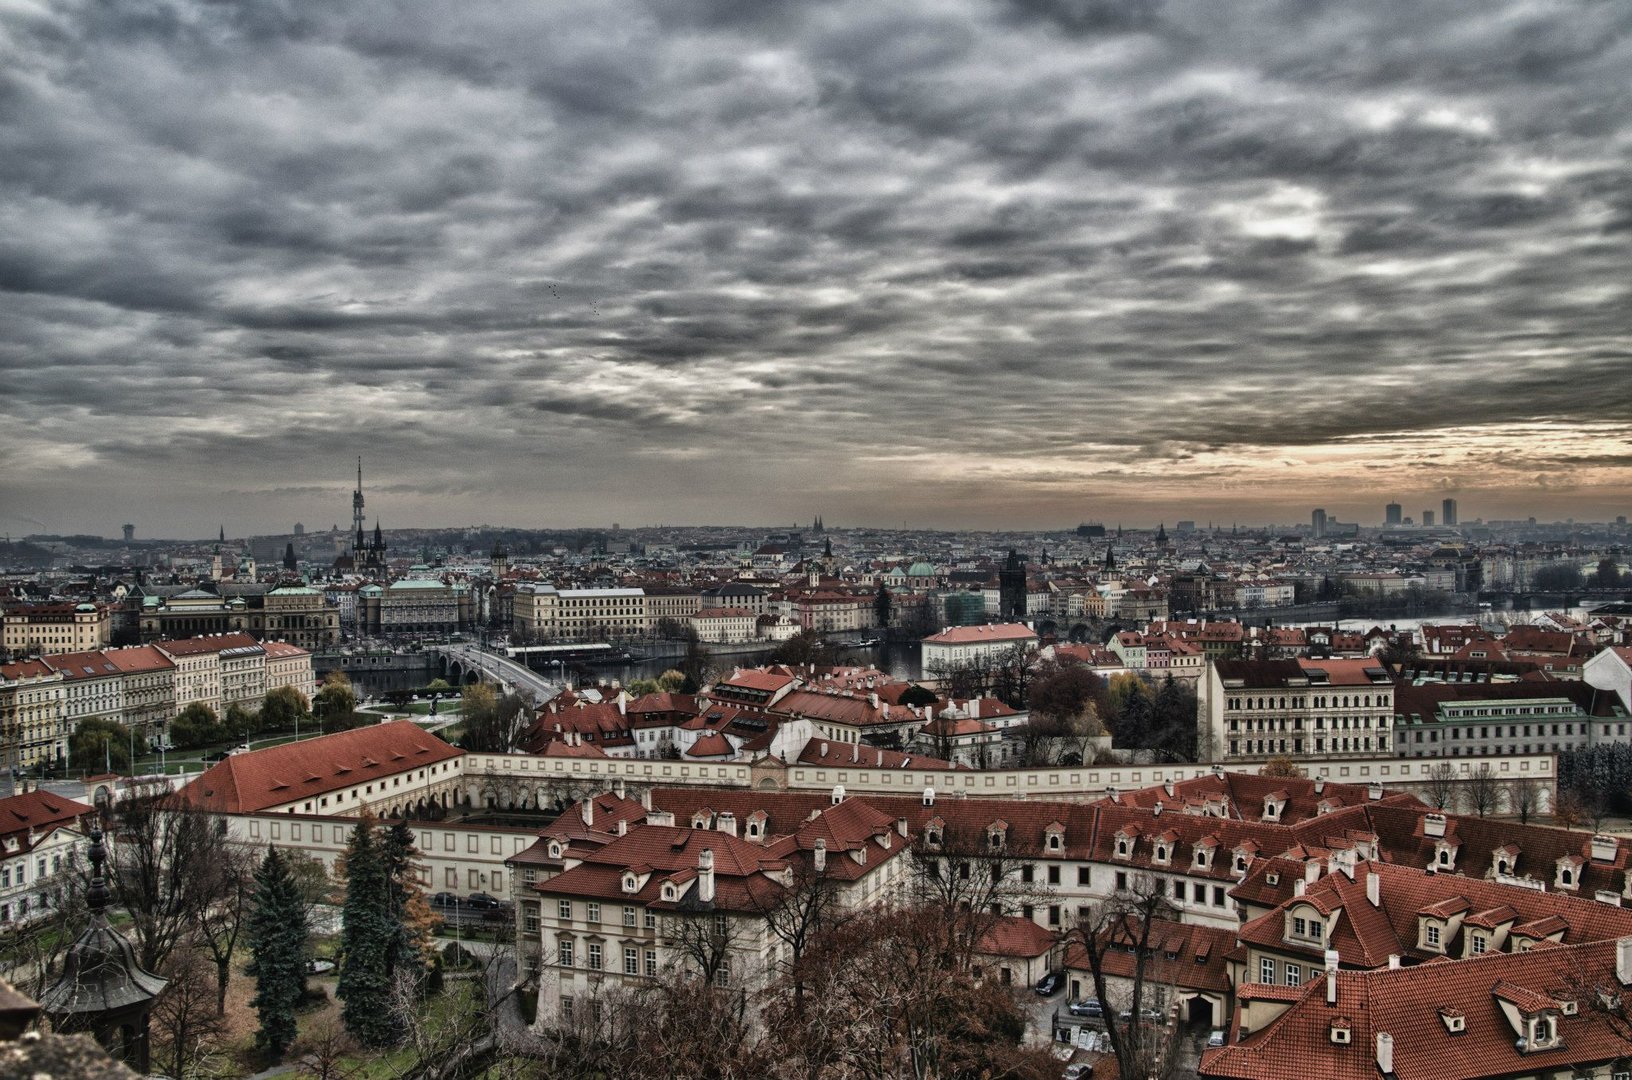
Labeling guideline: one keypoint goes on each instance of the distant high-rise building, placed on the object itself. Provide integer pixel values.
(1620, 519)
(130, 532)
(1011, 588)
(1428, 519)
(1392, 514)
(1185, 527)
(1317, 523)
(1447, 512)
(300, 530)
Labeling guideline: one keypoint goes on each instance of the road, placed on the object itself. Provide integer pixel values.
(503, 670)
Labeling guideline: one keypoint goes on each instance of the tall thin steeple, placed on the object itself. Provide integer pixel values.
(357, 513)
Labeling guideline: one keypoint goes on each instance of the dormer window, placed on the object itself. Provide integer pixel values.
(1161, 853)
(932, 836)
(1054, 841)
(1543, 1032)
(1201, 859)
(1454, 1021)
(1240, 862)
(1431, 935)
(1124, 847)
(555, 850)
(630, 883)
(1503, 865)
(699, 820)
(668, 890)
(1339, 1032)
(753, 830)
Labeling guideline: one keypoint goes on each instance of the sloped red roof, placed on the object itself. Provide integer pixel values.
(245, 783)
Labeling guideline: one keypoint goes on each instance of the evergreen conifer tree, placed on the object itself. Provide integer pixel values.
(410, 915)
(276, 933)
(368, 941)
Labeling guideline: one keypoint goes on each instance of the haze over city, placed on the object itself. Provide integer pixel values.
(989, 264)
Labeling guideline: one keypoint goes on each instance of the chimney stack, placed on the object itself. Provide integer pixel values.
(838, 794)
(1433, 825)
(1331, 976)
(818, 856)
(1393, 961)
(726, 822)
(586, 808)
(1311, 871)
(901, 826)
(705, 876)
(1374, 888)
(618, 787)
(1385, 1053)
(929, 796)
(1623, 961)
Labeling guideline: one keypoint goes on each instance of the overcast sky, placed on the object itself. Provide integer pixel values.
(948, 262)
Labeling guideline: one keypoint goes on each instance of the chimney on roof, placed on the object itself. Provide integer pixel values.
(1374, 887)
(823, 747)
(623, 827)
(1311, 870)
(1156, 811)
(1331, 976)
(705, 876)
(1394, 961)
(872, 699)
(1218, 771)
(1320, 784)
(1112, 794)
(1299, 887)
(586, 808)
(726, 822)
(1385, 1053)
(838, 794)
(901, 826)
(1375, 791)
(623, 703)
(818, 855)
(1433, 825)
(646, 798)
(1169, 788)
(929, 796)
(1623, 961)
(618, 787)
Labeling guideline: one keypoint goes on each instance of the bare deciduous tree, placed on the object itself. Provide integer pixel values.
(973, 876)
(188, 1025)
(1124, 923)
(1439, 784)
(1523, 798)
(1483, 790)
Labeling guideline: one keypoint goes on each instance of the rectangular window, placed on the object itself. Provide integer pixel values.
(651, 963)
(594, 912)
(1053, 875)
(1083, 876)
(723, 976)
(564, 954)
(631, 960)
(1294, 975)
(563, 908)
(1266, 970)
(1477, 945)
(1430, 934)
(628, 916)
(649, 920)
(594, 950)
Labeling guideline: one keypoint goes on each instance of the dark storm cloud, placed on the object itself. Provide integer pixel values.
(712, 258)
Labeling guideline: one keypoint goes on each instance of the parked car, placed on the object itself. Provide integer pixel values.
(1148, 1015)
(1215, 1039)
(445, 899)
(241, 748)
(482, 901)
(1080, 1071)
(211, 759)
(319, 967)
(1086, 1007)
(1050, 984)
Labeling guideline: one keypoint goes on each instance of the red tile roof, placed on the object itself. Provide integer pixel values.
(1406, 1003)
(245, 783)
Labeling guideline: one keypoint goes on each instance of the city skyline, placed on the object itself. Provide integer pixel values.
(1014, 264)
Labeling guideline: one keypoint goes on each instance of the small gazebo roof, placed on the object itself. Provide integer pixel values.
(100, 973)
